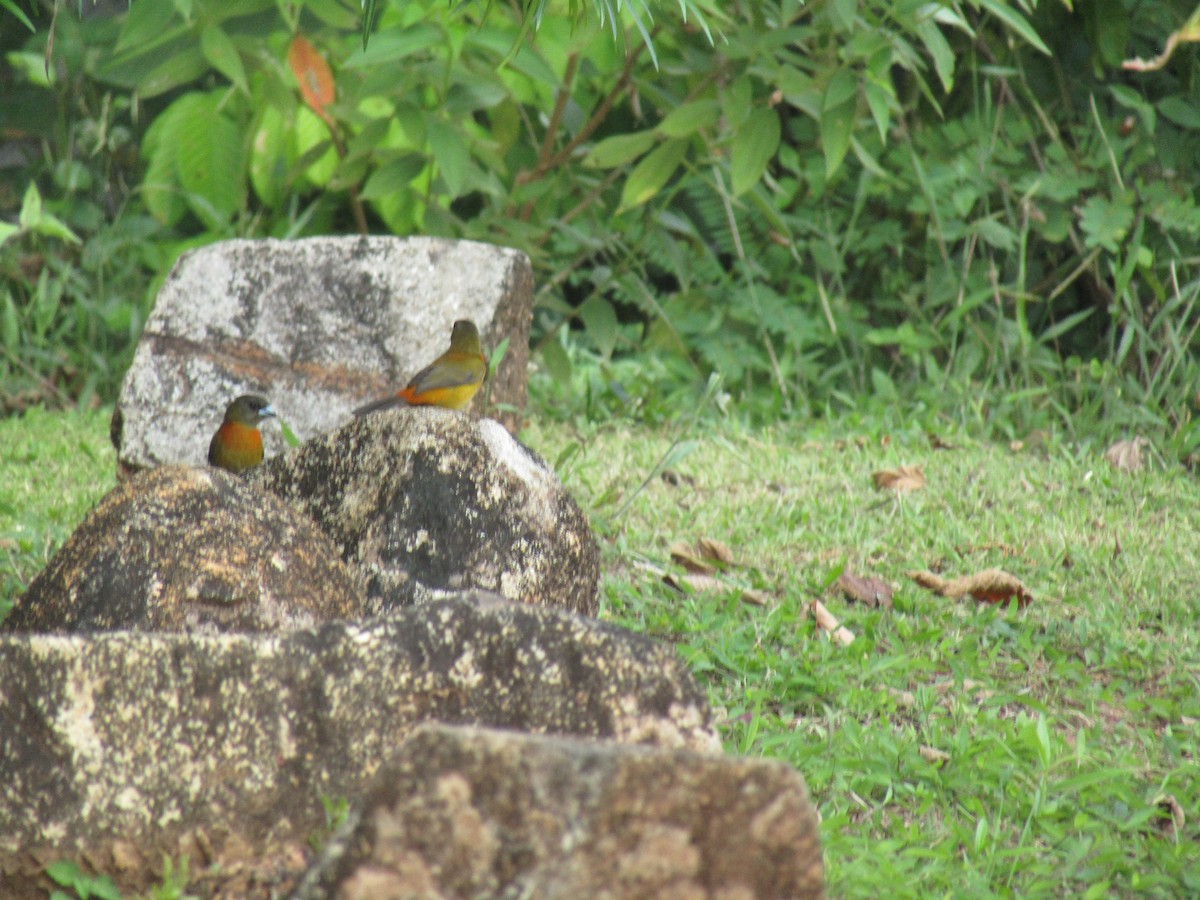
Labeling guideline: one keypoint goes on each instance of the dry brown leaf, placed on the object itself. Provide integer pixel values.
(901, 480)
(1170, 818)
(988, 586)
(755, 598)
(1127, 455)
(826, 622)
(695, 582)
(934, 755)
(684, 555)
(871, 591)
(715, 550)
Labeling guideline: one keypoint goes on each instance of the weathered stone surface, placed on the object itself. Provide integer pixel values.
(425, 502)
(188, 549)
(120, 747)
(318, 326)
(468, 812)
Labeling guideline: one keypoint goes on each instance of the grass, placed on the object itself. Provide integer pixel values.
(1068, 726)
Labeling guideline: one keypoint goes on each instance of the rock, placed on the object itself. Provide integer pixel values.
(467, 812)
(318, 326)
(222, 746)
(424, 502)
(189, 549)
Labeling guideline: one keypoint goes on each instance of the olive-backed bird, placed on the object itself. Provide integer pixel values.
(237, 445)
(449, 381)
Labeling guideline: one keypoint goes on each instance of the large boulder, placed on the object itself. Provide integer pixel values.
(188, 549)
(119, 748)
(425, 502)
(318, 326)
(467, 812)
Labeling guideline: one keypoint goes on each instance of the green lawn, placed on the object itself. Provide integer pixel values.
(1068, 727)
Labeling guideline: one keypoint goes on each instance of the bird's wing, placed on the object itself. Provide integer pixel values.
(447, 374)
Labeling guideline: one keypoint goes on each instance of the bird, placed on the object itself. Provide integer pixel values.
(237, 445)
(450, 381)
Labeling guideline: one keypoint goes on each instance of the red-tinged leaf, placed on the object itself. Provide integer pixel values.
(314, 76)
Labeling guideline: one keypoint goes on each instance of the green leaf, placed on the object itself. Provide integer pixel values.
(12, 7)
(1105, 222)
(601, 321)
(394, 176)
(686, 120)
(557, 363)
(879, 101)
(619, 149)
(753, 148)
(995, 234)
(1016, 22)
(210, 162)
(268, 166)
(145, 23)
(449, 149)
(31, 207)
(7, 230)
(938, 48)
(1180, 110)
(223, 56)
(837, 119)
(651, 174)
(394, 46)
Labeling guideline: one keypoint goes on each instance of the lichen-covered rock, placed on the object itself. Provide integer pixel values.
(424, 502)
(189, 549)
(166, 743)
(467, 812)
(318, 326)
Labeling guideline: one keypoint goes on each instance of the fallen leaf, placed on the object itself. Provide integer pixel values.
(1126, 455)
(1170, 818)
(1016, 446)
(937, 442)
(989, 586)
(871, 591)
(684, 555)
(901, 480)
(715, 550)
(826, 622)
(755, 598)
(934, 755)
(694, 582)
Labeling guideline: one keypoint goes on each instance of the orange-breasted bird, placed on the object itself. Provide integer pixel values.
(450, 381)
(237, 445)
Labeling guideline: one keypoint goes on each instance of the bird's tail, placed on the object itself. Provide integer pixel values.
(383, 403)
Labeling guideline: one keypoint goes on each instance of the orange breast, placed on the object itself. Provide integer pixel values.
(236, 447)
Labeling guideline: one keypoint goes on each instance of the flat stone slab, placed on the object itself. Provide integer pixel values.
(469, 812)
(120, 747)
(318, 326)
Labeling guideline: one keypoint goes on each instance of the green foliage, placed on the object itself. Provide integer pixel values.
(67, 874)
(966, 202)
